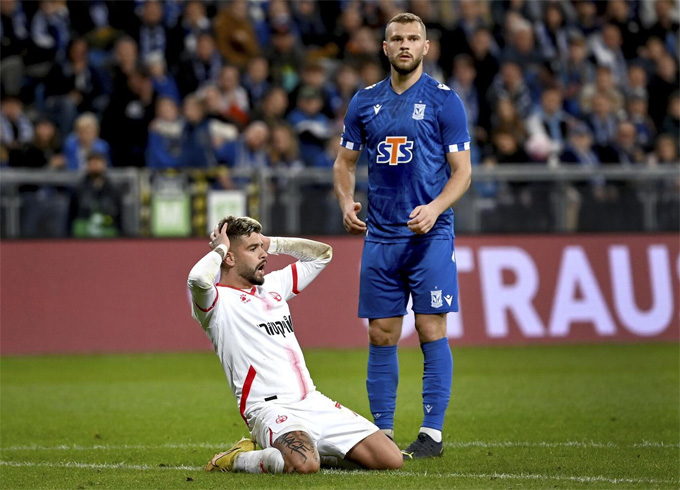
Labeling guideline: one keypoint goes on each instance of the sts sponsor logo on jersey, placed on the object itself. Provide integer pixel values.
(394, 150)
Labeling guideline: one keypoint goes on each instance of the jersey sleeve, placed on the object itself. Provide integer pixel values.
(453, 125)
(201, 283)
(352, 134)
(292, 279)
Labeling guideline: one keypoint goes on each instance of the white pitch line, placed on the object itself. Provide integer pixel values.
(458, 445)
(389, 474)
(98, 466)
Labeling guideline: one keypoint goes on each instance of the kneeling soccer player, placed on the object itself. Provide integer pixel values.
(246, 316)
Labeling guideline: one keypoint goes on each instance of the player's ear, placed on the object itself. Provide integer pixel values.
(385, 47)
(427, 47)
(230, 260)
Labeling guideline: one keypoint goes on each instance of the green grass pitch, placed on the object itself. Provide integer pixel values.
(595, 416)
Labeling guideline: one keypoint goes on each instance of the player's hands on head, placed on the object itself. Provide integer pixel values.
(422, 219)
(265, 242)
(219, 237)
(352, 223)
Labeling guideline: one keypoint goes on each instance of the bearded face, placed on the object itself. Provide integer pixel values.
(405, 46)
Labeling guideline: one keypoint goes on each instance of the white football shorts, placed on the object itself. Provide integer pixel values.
(333, 428)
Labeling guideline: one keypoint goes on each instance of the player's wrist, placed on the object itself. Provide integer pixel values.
(221, 250)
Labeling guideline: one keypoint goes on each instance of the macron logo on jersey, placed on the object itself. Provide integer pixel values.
(394, 150)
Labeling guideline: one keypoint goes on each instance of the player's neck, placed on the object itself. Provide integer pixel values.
(401, 83)
(234, 281)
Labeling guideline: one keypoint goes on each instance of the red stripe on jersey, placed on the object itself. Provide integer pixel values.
(295, 279)
(271, 436)
(295, 362)
(217, 295)
(250, 377)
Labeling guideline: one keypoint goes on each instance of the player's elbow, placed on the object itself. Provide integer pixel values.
(327, 254)
(197, 281)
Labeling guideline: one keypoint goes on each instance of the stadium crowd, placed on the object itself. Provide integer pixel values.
(220, 84)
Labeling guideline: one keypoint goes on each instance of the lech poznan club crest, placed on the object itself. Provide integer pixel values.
(436, 299)
(418, 111)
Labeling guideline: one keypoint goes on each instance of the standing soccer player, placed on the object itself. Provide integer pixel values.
(415, 132)
(246, 316)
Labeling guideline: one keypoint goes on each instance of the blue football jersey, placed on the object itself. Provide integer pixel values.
(407, 138)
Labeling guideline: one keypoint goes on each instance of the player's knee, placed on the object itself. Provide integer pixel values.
(393, 459)
(382, 337)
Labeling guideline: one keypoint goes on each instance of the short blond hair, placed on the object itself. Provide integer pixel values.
(406, 18)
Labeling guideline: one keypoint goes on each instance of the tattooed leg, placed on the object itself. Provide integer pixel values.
(299, 452)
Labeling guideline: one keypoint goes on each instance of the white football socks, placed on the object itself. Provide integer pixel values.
(388, 432)
(268, 460)
(435, 434)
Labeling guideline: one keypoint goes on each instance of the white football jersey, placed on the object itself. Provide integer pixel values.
(253, 335)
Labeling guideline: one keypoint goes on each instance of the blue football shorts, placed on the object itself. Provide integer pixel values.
(424, 269)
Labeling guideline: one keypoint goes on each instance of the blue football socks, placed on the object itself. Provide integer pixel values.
(382, 382)
(437, 377)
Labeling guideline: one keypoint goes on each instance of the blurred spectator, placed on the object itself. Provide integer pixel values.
(284, 151)
(83, 141)
(506, 119)
(250, 151)
(432, 60)
(636, 82)
(624, 148)
(370, 73)
(201, 67)
(606, 48)
(671, 123)
(468, 22)
(163, 82)
(509, 83)
(521, 48)
(586, 17)
(286, 57)
(150, 32)
(274, 106)
(235, 105)
(602, 121)
(604, 84)
(637, 111)
(235, 35)
(74, 87)
(50, 35)
(197, 147)
(364, 45)
(551, 34)
(463, 83)
(314, 75)
(126, 121)
(668, 206)
(349, 21)
(164, 149)
(346, 85)
(256, 80)
(666, 26)
(126, 61)
(551, 120)
(311, 125)
(577, 71)
(14, 43)
(661, 86)
(192, 24)
(43, 151)
(619, 14)
(486, 66)
(313, 32)
(95, 209)
(15, 126)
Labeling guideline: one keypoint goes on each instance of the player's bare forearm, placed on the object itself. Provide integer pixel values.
(344, 181)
